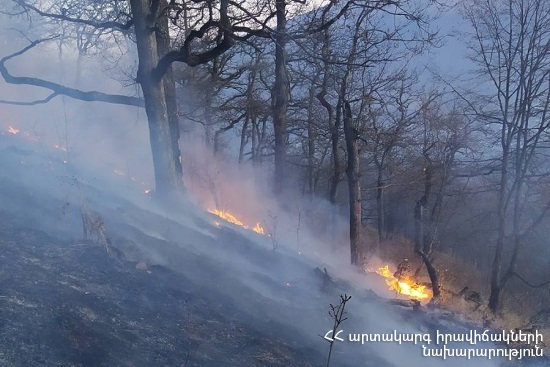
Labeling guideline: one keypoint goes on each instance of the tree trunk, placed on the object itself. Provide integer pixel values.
(334, 125)
(354, 185)
(380, 210)
(242, 144)
(423, 235)
(167, 180)
(311, 135)
(280, 97)
(162, 34)
(418, 225)
(496, 287)
(432, 273)
(421, 246)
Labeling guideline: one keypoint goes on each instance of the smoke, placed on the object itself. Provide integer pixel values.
(90, 134)
(108, 165)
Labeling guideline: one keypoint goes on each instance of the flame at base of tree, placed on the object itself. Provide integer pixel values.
(404, 285)
(228, 217)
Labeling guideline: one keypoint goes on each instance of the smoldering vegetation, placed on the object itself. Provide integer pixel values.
(205, 294)
(113, 276)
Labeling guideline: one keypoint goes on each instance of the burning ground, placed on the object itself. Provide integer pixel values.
(172, 286)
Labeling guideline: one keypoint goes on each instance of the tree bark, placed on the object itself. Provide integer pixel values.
(354, 184)
(334, 125)
(280, 97)
(162, 34)
(167, 179)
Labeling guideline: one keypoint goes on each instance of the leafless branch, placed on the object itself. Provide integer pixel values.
(102, 25)
(58, 89)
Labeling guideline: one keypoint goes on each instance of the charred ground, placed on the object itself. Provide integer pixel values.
(207, 296)
(70, 304)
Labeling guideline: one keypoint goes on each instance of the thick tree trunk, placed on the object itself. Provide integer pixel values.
(280, 97)
(354, 185)
(334, 125)
(162, 34)
(167, 179)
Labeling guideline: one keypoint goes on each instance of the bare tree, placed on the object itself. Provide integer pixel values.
(386, 131)
(363, 65)
(442, 136)
(512, 50)
(147, 21)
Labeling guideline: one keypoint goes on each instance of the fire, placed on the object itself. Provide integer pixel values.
(404, 286)
(33, 137)
(258, 229)
(228, 217)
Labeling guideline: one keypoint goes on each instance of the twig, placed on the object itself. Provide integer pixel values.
(337, 313)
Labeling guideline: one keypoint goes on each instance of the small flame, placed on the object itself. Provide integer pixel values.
(228, 217)
(13, 130)
(258, 229)
(404, 286)
(147, 191)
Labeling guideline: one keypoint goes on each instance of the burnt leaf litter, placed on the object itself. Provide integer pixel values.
(70, 304)
(66, 301)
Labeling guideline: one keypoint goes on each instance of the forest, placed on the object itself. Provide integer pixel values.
(414, 133)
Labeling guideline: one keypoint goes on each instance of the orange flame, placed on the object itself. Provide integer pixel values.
(13, 130)
(258, 228)
(228, 217)
(404, 286)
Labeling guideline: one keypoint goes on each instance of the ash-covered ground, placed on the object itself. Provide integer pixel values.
(171, 288)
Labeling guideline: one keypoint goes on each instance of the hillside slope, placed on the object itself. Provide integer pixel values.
(174, 289)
